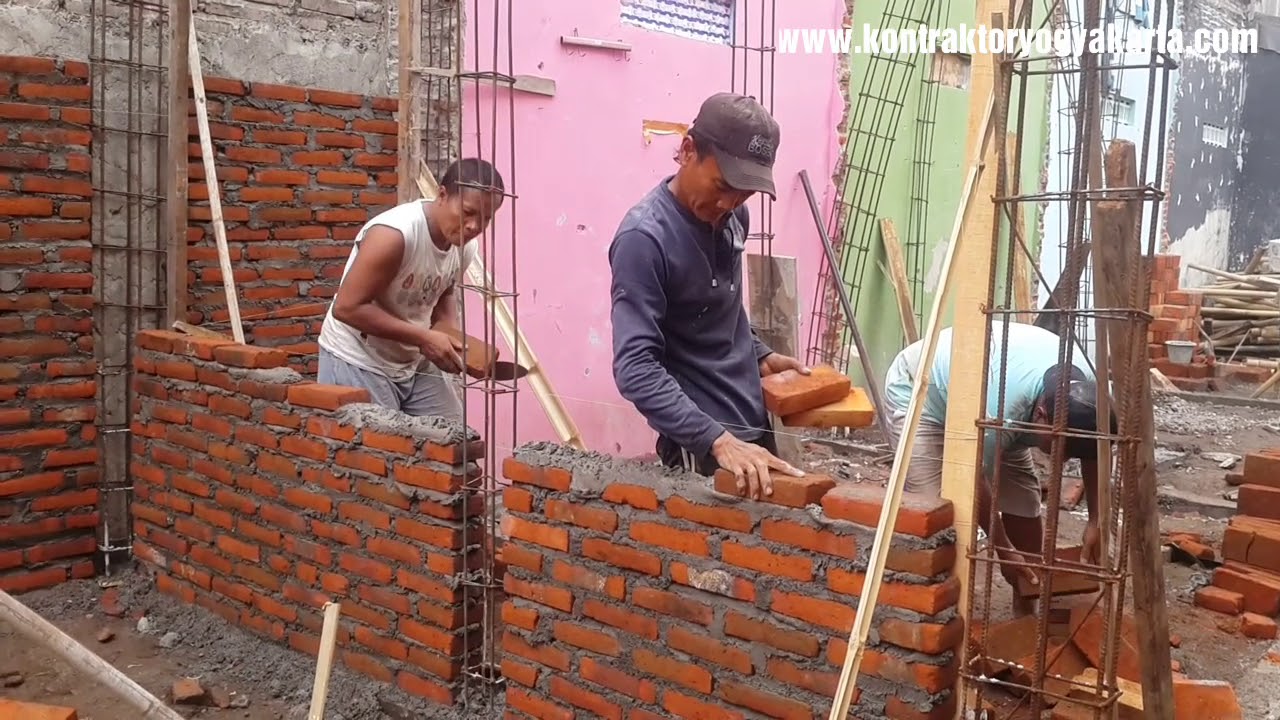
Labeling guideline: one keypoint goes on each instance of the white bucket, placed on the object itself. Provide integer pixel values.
(1179, 351)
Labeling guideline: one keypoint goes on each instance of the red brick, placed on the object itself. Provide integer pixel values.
(672, 670)
(788, 490)
(325, 397)
(31, 711)
(1258, 501)
(1220, 600)
(545, 535)
(755, 630)
(1260, 589)
(550, 478)
(617, 617)
(1262, 468)
(683, 541)
(1195, 699)
(668, 603)
(690, 708)
(720, 517)
(623, 557)
(861, 503)
(709, 649)
(247, 356)
(602, 520)
(586, 638)
(789, 392)
(616, 680)
(804, 537)
(927, 638)
(553, 597)
(1257, 626)
(761, 701)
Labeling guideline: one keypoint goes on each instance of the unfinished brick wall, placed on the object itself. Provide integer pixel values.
(1176, 316)
(633, 588)
(300, 170)
(260, 496)
(48, 461)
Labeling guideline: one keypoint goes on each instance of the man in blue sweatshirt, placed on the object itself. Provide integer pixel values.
(684, 353)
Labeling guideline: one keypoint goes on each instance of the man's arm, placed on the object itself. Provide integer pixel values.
(762, 351)
(638, 306)
(373, 270)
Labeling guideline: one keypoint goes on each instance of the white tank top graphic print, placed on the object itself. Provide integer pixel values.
(425, 273)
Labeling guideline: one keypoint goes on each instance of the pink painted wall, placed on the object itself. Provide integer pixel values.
(581, 162)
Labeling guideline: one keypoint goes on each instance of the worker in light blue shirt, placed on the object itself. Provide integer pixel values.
(1032, 375)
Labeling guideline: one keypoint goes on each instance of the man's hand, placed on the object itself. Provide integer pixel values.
(442, 350)
(1091, 544)
(750, 464)
(775, 363)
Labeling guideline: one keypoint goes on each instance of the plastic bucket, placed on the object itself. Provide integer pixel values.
(1180, 351)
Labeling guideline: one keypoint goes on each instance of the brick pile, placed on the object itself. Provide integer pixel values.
(48, 459)
(300, 170)
(1176, 316)
(260, 496)
(631, 587)
(1248, 583)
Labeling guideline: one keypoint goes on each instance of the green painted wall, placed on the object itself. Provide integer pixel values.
(877, 309)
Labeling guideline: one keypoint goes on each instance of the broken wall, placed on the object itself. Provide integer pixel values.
(300, 170)
(48, 460)
(261, 496)
(633, 587)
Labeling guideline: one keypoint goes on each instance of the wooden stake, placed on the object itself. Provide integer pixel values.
(41, 632)
(898, 276)
(902, 455)
(177, 193)
(211, 179)
(324, 660)
(1119, 223)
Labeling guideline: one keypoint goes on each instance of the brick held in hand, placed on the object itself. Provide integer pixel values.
(854, 410)
(480, 356)
(789, 392)
(788, 490)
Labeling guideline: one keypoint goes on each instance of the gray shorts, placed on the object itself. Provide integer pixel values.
(429, 393)
(1019, 492)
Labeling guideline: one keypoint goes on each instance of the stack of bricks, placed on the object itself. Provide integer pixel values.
(1248, 583)
(1176, 316)
(300, 170)
(670, 595)
(261, 497)
(48, 456)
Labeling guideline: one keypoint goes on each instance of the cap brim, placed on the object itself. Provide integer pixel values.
(742, 174)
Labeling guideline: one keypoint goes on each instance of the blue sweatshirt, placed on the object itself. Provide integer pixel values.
(684, 352)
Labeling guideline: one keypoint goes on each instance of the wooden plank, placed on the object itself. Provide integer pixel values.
(211, 180)
(39, 631)
(409, 39)
(177, 190)
(1021, 294)
(566, 429)
(773, 303)
(535, 84)
(185, 327)
(898, 276)
(902, 454)
(966, 383)
(324, 660)
(1118, 230)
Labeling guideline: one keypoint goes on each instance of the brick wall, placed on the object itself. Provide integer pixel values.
(48, 462)
(1175, 315)
(260, 496)
(630, 588)
(299, 171)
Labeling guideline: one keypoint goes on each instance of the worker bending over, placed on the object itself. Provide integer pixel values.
(387, 328)
(683, 351)
(1031, 382)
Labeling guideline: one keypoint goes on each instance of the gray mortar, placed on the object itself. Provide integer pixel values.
(224, 653)
(266, 376)
(1174, 414)
(438, 430)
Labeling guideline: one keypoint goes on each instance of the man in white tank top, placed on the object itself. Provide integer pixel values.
(382, 332)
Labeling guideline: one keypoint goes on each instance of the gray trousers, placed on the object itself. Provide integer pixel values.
(429, 393)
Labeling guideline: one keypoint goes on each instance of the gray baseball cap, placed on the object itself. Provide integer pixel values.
(744, 138)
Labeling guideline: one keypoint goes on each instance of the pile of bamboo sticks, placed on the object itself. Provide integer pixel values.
(1241, 313)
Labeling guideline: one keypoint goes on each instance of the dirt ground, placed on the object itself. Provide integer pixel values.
(263, 681)
(257, 679)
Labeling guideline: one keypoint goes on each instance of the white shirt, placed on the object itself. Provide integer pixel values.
(425, 273)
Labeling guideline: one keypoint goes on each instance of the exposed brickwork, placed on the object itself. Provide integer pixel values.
(48, 461)
(1176, 316)
(299, 171)
(630, 588)
(260, 496)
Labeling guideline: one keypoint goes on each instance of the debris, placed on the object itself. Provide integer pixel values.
(170, 640)
(111, 604)
(219, 697)
(1226, 461)
(106, 635)
(1175, 641)
(188, 691)
(12, 678)
(144, 625)
(1234, 479)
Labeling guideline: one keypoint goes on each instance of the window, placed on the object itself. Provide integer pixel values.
(706, 20)
(1214, 135)
(1118, 107)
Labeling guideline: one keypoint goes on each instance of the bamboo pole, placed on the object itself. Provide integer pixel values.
(324, 660)
(41, 632)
